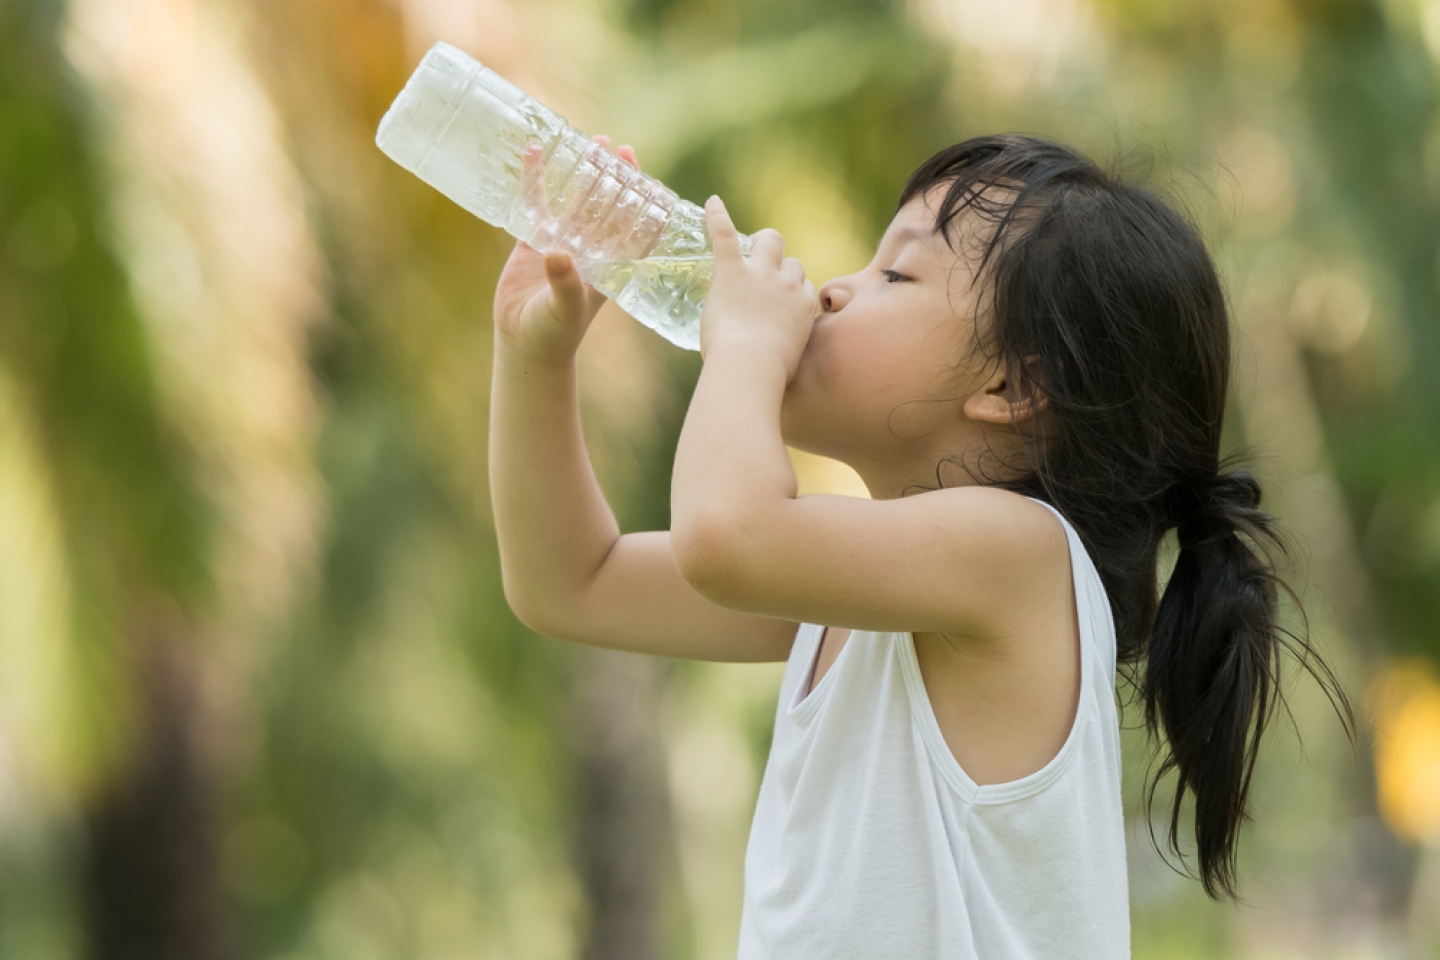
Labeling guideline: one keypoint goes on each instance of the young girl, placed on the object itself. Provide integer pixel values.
(1030, 377)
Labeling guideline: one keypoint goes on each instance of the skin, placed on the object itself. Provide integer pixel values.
(885, 343)
(887, 383)
(981, 579)
(877, 369)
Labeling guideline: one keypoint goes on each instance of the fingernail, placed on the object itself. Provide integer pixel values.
(713, 203)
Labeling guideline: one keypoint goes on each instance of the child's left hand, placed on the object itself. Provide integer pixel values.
(761, 299)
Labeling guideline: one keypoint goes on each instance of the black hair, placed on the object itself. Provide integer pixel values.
(1102, 297)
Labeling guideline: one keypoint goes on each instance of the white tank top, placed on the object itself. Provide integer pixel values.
(870, 842)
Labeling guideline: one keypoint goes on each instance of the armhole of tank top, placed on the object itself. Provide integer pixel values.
(1102, 618)
(924, 714)
(800, 665)
(803, 704)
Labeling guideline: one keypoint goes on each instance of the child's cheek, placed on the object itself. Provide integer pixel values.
(810, 357)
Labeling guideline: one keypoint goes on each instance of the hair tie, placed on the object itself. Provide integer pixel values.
(1197, 505)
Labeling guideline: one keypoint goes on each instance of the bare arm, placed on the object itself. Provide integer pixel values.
(567, 570)
(551, 519)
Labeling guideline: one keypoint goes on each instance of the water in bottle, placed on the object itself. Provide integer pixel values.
(464, 129)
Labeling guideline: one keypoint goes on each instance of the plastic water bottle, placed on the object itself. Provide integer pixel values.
(461, 128)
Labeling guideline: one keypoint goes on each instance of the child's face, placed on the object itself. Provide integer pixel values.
(887, 382)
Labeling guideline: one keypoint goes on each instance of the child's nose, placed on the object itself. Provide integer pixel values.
(832, 298)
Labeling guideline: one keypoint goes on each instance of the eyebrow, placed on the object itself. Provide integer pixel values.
(906, 234)
(910, 233)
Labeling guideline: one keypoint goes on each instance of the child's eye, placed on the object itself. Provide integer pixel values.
(892, 273)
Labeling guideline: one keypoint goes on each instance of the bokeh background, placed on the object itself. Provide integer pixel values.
(260, 692)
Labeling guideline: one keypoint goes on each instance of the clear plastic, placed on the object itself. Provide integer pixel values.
(461, 128)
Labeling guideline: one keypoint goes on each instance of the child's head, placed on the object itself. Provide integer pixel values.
(1045, 326)
(1025, 313)
(891, 380)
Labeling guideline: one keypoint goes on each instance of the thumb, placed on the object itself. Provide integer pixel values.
(566, 288)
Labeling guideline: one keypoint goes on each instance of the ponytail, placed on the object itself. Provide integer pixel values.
(1212, 675)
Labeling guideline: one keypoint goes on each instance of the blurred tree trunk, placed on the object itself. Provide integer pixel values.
(134, 527)
(623, 824)
(1365, 889)
(152, 887)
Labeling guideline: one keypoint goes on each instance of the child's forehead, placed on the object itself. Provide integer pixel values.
(917, 214)
(916, 222)
(912, 224)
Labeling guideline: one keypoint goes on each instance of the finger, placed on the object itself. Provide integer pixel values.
(768, 243)
(793, 267)
(602, 139)
(627, 153)
(723, 236)
(814, 296)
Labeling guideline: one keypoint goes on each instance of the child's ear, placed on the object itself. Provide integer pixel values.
(999, 400)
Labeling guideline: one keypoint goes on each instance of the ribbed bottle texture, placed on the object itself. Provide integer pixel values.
(461, 128)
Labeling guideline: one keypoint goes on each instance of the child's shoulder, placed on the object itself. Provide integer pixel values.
(1016, 544)
(1020, 526)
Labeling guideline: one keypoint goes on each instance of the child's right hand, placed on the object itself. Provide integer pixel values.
(542, 307)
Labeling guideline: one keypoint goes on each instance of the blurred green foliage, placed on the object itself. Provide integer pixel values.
(243, 378)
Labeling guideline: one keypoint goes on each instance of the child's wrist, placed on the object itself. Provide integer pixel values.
(752, 346)
(525, 361)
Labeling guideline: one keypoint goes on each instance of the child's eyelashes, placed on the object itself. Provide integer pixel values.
(889, 274)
